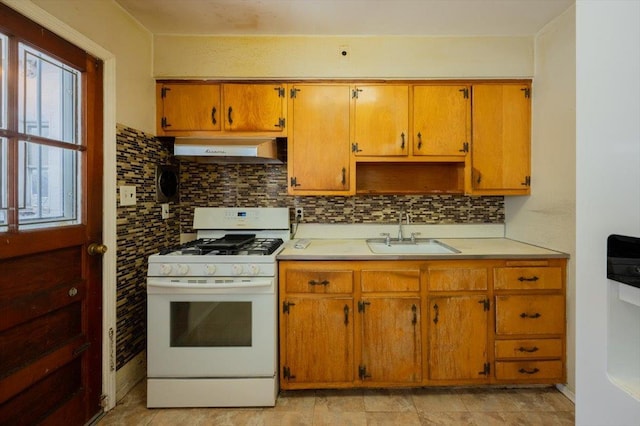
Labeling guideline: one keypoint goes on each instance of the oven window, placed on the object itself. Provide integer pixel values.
(212, 324)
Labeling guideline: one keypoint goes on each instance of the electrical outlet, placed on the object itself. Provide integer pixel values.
(299, 214)
(165, 211)
(127, 195)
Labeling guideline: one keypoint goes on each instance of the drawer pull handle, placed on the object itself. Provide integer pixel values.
(523, 349)
(532, 279)
(525, 371)
(314, 282)
(525, 315)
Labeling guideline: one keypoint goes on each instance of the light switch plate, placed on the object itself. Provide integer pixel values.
(127, 195)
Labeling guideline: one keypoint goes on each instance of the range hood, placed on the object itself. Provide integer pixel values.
(231, 150)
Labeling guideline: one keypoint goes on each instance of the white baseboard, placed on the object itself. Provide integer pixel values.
(567, 392)
(130, 374)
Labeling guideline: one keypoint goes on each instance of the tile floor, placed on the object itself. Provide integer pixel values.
(406, 407)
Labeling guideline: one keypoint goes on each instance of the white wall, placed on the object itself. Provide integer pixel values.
(218, 57)
(547, 216)
(107, 24)
(607, 193)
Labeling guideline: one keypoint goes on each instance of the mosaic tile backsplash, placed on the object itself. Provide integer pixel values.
(142, 232)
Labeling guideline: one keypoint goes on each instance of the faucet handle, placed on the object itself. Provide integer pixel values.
(413, 236)
(387, 239)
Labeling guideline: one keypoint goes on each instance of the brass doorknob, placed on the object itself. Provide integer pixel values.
(96, 249)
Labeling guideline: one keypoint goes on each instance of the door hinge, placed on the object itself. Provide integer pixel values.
(281, 122)
(486, 370)
(294, 182)
(354, 147)
(527, 92)
(486, 304)
(527, 181)
(354, 93)
(286, 307)
(280, 90)
(163, 122)
(362, 372)
(293, 93)
(286, 373)
(465, 92)
(465, 147)
(362, 305)
(163, 92)
(104, 400)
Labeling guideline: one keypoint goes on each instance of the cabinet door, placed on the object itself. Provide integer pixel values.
(253, 107)
(500, 152)
(391, 351)
(317, 341)
(188, 107)
(458, 327)
(319, 139)
(441, 120)
(381, 120)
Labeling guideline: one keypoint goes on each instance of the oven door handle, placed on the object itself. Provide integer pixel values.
(195, 286)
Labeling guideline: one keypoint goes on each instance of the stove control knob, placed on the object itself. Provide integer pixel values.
(165, 269)
(237, 269)
(183, 269)
(210, 269)
(254, 269)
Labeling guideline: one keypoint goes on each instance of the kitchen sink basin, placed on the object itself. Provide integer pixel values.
(418, 246)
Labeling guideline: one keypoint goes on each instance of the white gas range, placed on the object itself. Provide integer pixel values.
(212, 312)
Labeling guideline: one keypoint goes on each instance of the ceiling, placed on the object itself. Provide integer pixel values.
(346, 17)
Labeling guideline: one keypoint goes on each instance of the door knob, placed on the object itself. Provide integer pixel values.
(96, 249)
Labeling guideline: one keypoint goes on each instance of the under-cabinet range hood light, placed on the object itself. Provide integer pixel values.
(230, 151)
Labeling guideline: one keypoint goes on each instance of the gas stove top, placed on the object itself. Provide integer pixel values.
(229, 245)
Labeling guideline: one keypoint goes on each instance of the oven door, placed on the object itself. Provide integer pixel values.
(209, 330)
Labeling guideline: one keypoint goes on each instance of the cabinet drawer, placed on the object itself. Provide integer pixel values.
(390, 280)
(305, 281)
(530, 314)
(529, 370)
(530, 278)
(530, 348)
(455, 279)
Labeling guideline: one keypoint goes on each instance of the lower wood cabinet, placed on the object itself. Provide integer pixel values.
(421, 323)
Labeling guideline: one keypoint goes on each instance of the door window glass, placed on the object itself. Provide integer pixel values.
(210, 324)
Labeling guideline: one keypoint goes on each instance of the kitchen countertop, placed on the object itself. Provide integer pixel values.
(469, 248)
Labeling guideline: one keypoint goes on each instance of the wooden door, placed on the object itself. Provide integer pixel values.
(319, 139)
(441, 120)
(253, 107)
(188, 107)
(458, 332)
(391, 349)
(501, 138)
(50, 288)
(381, 120)
(317, 342)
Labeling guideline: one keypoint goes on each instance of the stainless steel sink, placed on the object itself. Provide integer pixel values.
(417, 246)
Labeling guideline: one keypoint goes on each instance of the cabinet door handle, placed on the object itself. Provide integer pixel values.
(529, 350)
(525, 315)
(402, 137)
(532, 279)
(414, 320)
(314, 282)
(436, 311)
(419, 140)
(344, 176)
(346, 314)
(525, 371)
(229, 115)
(213, 115)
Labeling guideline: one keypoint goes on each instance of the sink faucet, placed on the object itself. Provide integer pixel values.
(402, 214)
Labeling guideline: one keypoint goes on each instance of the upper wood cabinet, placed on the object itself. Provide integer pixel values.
(185, 107)
(254, 107)
(441, 120)
(196, 109)
(500, 149)
(381, 120)
(318, 141)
